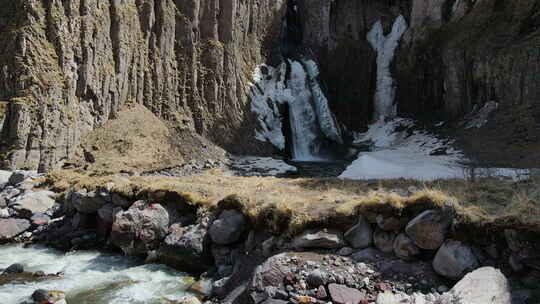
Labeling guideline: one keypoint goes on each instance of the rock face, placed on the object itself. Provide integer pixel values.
(360, 235)
(10, 228)
(140, 228)
(187, 61)
(428, 230)
(319, 238)
(454, 259)
(228, 228)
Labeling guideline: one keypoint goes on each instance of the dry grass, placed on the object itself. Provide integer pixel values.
(138, 141)
(290, 205)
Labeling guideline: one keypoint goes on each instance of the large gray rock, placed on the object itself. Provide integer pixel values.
(88, 202)
(405, 248)
(141, 228)
(453, 260)
(319, 238)
(10, 228)
(184, 248)
(228, 228)
(33, 202)
(384, 240)
(485, 285)
(360, 236)
(428, 230)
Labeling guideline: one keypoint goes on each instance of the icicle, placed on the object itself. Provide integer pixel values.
(385, 47)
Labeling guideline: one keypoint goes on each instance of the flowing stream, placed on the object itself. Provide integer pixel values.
(91, 277)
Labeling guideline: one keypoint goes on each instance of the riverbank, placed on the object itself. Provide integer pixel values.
(394, 237)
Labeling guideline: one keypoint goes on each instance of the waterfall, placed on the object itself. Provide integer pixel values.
(385, 47)
(312, 123)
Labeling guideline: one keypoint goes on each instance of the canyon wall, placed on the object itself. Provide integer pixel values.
(69, 66)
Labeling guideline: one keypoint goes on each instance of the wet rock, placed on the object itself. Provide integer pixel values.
(389, 223)
(320, 238)
(384, 240)
(453, 260)
(141, 228)
(120, 201)
(40, 219)
(405, 248)
(360, 236)
(515, 262)
(32, 202)
(107, 213)
(228, 228)
(185, 248)
(10, 228)
(341, 294)
(42, 296)
(531, 280)
(88, 202)
(485, 285)
(14, 268)
(203, 287)
(428, 230)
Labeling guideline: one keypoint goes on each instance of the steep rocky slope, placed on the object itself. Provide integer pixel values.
(68, 67)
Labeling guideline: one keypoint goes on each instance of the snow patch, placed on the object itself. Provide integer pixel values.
(385, 47)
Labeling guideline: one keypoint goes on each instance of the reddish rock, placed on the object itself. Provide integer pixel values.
(428, 230)
(341, 294)
(321, 293)
(10, 228)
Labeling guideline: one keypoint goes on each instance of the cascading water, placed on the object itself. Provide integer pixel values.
(294, 83)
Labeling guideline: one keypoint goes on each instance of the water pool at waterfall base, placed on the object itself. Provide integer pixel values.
(92, 277)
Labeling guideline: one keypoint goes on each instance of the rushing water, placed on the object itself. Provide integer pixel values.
(90, 277)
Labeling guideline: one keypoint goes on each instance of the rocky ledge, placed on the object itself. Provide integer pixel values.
(417, 258)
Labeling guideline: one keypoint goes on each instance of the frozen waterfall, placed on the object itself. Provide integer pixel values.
(295, 84)
(385, 47)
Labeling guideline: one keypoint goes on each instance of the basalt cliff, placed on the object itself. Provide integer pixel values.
(68, 67)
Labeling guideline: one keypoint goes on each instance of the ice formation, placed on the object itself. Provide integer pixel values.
(385, 47)
(310, 117)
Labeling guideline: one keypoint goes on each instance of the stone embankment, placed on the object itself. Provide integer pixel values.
(380, 259)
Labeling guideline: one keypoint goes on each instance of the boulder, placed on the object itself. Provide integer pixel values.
(14, 268)
(184, 248)
(389, 223)
(405, 248)
(141, 228)
(428, 230)
(485, 285)
(341, 294)
(33, 202)
(42, 296)
(228, 228)
(320, 238)
(384, 240)
(515, 240)
(120, 201)
(7, 194)
(360, 236)
(88, 202)
(20, 176)
(10, 228)
(453, 260)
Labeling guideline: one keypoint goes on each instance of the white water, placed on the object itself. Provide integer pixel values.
(310, 117)
(385, 46)
(91, 277)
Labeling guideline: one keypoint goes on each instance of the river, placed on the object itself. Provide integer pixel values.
(91, 277)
